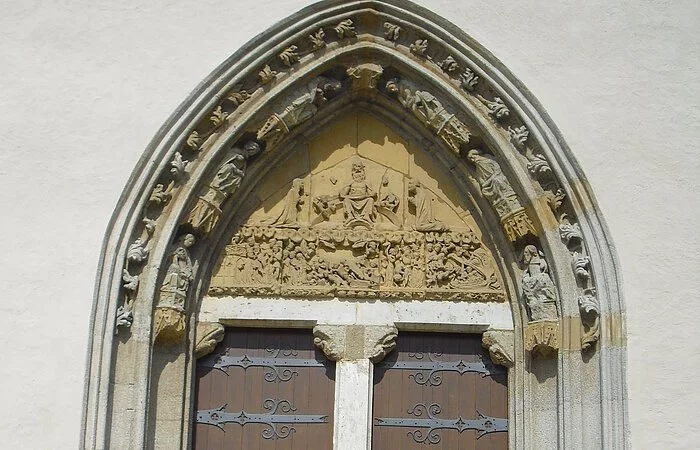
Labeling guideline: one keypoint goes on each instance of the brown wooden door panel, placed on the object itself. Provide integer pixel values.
(254, 389)
(411, 394)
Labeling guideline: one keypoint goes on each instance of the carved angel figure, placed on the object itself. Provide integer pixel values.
(538, 288)
(292, 203)
(426, 107)
(494, 184)
(422, 202)
(179, 275)
(300, 110)
(206, 212)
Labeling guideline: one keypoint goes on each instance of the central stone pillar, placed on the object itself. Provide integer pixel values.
(355, 349)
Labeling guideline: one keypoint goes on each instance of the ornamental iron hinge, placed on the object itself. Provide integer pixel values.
(276, 369)
(484, 424)
(277, 424)
(435, 367)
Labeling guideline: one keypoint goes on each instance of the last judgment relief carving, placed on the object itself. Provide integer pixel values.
(358, 212)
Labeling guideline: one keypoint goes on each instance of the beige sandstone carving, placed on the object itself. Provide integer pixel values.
(345, 29)
(208, 335)
(361, 203)
(468, 80)
(317, 39)
(169, 317)
(430, 111)
(299, 111)
(289, 55)
(422, 202)
(370, 231)
(419, 47)
(538, 287)
(207, 210)
(267, 75)
(357, 263)
(542, 338)
(392, 31)
(498, 191)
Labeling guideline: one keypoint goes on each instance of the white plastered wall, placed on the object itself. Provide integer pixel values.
(84, 85)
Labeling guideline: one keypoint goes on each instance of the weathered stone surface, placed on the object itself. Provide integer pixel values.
(542, 338)
(500, 345)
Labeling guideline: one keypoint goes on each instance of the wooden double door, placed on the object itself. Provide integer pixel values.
(265, 389)
(439, 391)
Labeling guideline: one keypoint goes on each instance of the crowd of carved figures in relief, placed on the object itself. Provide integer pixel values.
(391, 260)
(356, 242)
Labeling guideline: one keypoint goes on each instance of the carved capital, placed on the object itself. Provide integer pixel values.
(208, 334)
(542, 338)
(354, 342)
(500, 345)
(379, 342)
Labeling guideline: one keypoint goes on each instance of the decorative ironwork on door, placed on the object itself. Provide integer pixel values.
(440, 390)
(264, 389)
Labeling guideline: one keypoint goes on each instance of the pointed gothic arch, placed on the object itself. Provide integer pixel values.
(435, 87)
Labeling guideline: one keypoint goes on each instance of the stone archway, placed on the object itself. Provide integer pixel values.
(420, 74)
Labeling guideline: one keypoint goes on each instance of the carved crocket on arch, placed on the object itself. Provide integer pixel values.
(533, 232)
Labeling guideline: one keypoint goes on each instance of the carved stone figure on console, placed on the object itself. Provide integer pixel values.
(498, 191)
(422, 202)
(299, 111)
(206, 212)
(387, 199)
(426, 107)
(169, 321)
(538, 287)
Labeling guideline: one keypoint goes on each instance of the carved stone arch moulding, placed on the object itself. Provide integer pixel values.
(436, 87)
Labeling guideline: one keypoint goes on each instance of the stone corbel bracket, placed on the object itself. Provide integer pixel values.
(542, 338)
(208, 334)
(501, 347)
(355, 342)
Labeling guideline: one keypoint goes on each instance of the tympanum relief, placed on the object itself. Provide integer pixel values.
(358, 223)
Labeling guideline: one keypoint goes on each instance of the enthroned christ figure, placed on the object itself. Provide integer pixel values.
(358, 198)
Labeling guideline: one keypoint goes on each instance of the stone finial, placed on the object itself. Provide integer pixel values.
(355, 342)
(500, 345)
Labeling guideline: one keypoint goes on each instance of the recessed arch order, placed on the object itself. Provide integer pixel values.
(440, 91)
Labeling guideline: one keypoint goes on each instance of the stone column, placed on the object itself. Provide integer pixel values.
(355, 348)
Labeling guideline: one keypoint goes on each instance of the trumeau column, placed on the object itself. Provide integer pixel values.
(355, 348)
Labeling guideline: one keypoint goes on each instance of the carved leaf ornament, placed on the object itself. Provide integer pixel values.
(494, 142)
